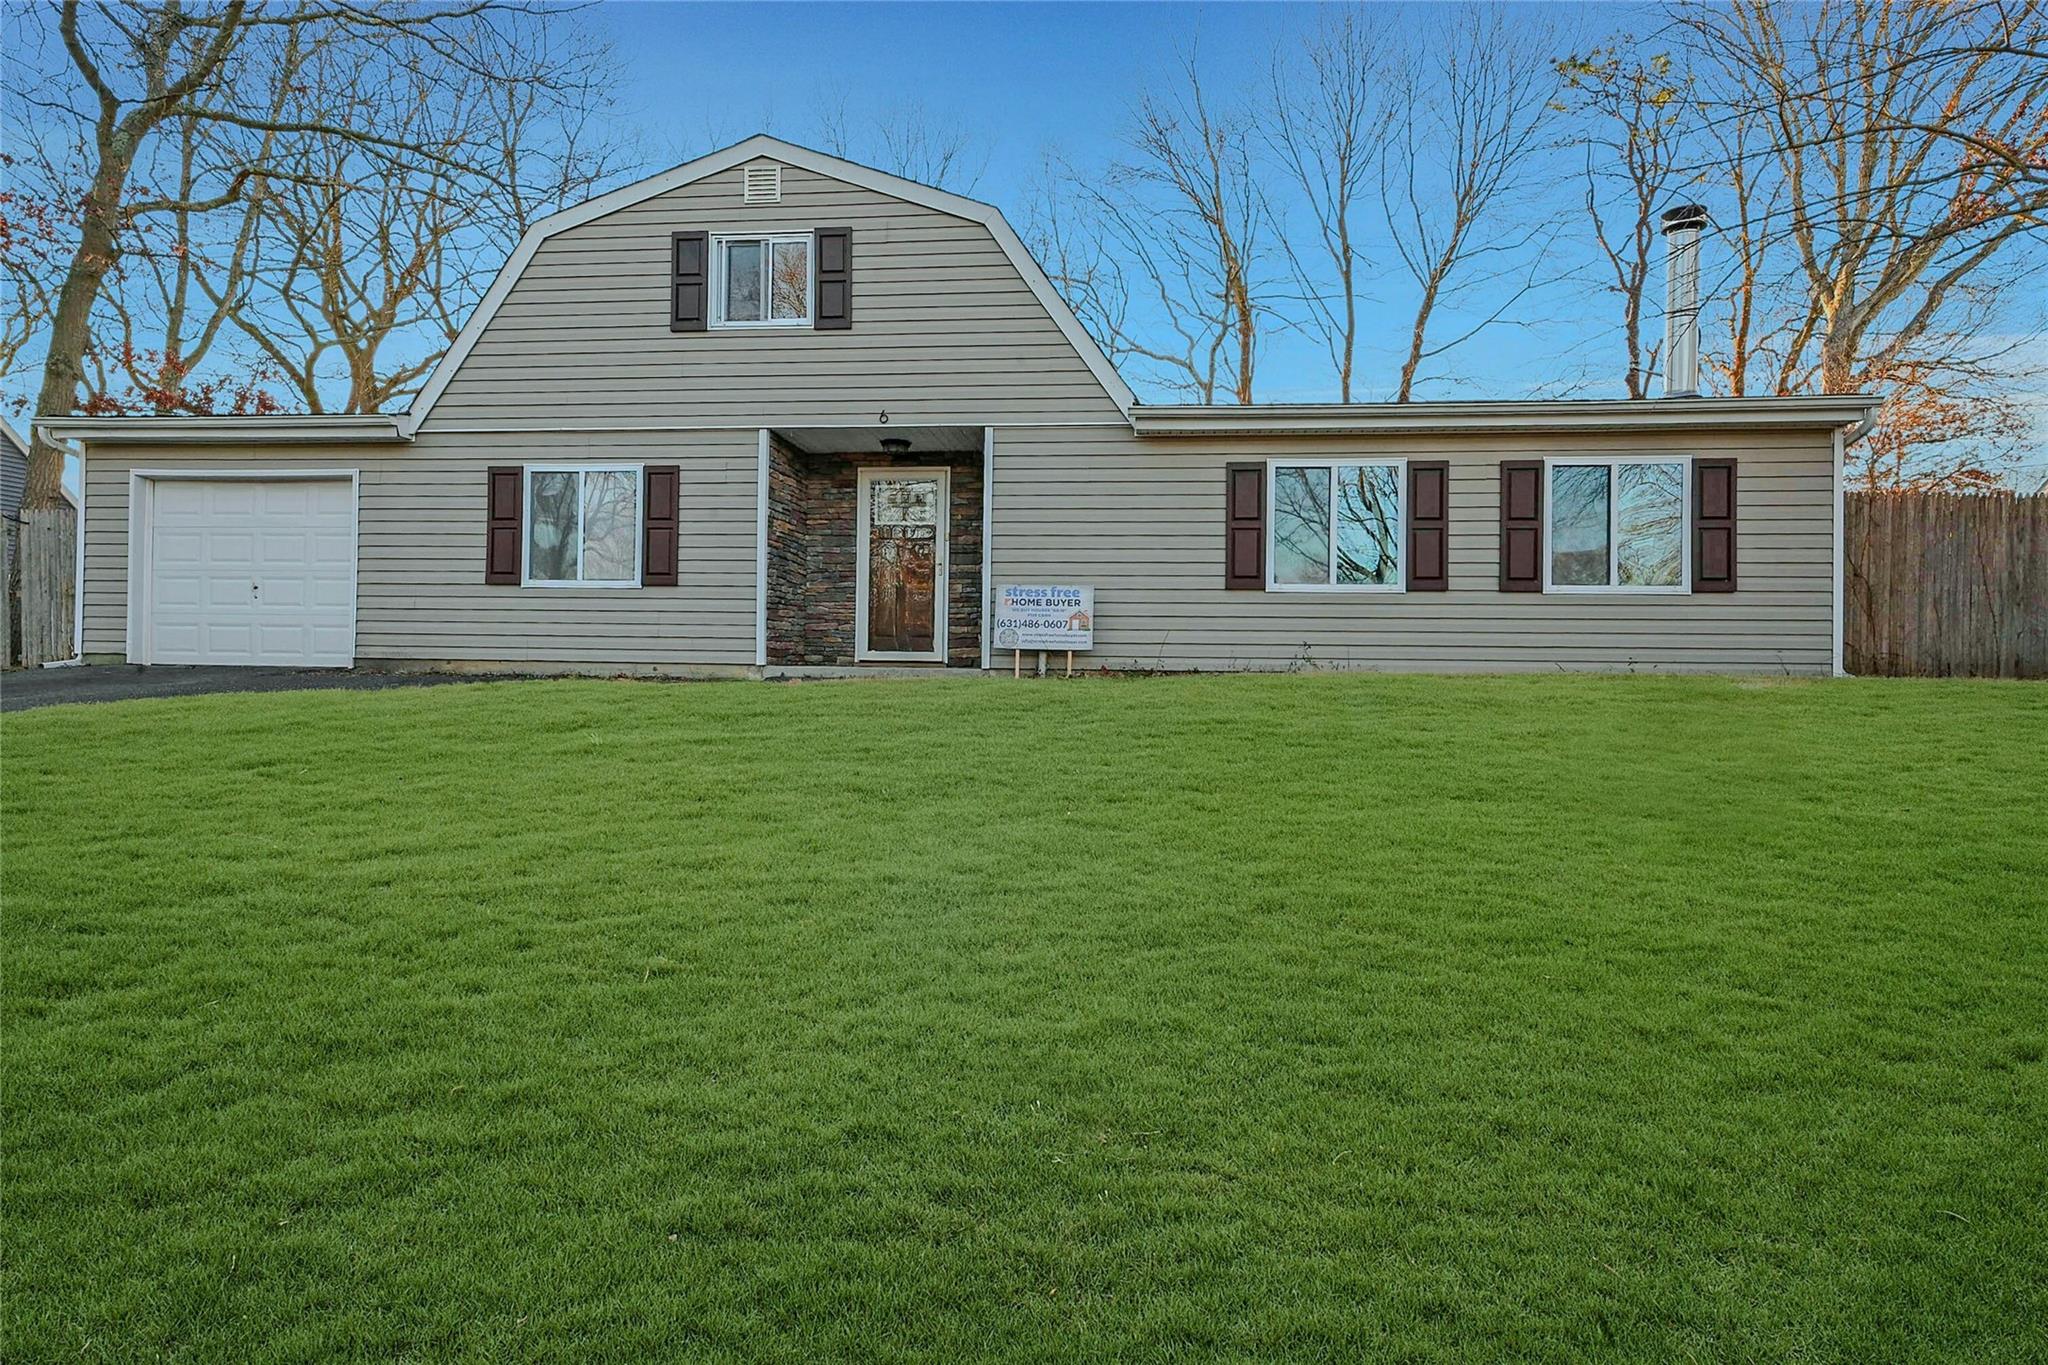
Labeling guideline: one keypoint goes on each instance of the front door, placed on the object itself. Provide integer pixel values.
(902, 586)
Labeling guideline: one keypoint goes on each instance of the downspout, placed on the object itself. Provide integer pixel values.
(988, 494)
(78, 570)
(761, 550)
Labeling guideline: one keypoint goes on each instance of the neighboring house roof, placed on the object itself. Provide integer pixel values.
(13, 470)
(1146, 420)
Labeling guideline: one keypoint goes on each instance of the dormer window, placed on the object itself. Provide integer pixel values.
(762, 281)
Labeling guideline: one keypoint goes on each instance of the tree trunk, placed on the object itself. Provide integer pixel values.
(1838, 362)
(1350, 324)
(71, 330)
(1415, 339)
(1632, 320)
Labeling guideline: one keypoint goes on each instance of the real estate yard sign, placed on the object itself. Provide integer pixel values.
(1042, 616)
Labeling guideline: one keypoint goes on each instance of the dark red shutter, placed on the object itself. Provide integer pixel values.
(660, 525)
(1713, 526)
(689, 281)
(835, 280)
(1429, 525)
(1521, 526)
(503, 507)
(1244, 527)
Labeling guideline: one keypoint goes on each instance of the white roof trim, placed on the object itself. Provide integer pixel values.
(302, 428)
(789, 154)
(1640, 414)
(12, 437)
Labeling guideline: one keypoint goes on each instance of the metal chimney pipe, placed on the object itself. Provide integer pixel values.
(1682, 228)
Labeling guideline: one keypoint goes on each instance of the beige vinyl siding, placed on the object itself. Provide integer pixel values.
(420, 551)
(1142, 520)
(945, 329)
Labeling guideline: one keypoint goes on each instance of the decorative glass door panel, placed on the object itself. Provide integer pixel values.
(903, 546)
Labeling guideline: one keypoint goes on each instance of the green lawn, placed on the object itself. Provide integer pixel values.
(1284, 1018)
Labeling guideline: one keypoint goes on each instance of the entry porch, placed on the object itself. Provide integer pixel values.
(874, 547)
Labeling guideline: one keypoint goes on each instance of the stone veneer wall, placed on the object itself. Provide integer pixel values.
(812, 557)
(787, 566)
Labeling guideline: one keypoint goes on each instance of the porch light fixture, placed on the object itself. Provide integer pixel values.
(895, 445)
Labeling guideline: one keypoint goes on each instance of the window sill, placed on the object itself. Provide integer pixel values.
(1342, 589)
(1603, 590)
(784, 325)
(615, 586)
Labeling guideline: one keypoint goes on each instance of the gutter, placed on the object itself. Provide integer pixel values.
(1645, 414)
(301, 429)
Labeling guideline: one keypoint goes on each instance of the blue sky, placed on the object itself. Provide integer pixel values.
(1019, 77)
(1025, 80)
(1022, 80)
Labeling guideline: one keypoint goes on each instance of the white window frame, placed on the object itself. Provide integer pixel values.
(639, 473)
(1614, 585)
(1333, 463)
(720, 241)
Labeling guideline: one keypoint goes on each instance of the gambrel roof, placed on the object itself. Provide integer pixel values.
(759, 147)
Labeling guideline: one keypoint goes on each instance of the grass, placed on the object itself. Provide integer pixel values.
(1281, 1018)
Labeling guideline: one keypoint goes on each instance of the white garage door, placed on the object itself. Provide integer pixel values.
(251, 571)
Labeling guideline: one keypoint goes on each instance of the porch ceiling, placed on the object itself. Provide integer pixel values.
(868, 440)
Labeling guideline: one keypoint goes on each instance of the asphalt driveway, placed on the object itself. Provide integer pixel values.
(26, 689)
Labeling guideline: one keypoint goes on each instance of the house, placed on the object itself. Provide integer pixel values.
(13, 471)
(773, 411)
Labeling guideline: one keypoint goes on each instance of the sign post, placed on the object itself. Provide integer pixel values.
(1044, 616)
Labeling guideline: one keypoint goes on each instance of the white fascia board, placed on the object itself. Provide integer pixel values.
(754, 148)
(302, 429)
(1647, 414)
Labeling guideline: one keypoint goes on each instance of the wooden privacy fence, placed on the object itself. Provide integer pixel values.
(40, 585)
(10, 607)
(1945, 584)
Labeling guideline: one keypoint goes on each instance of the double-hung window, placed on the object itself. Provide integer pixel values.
(583, 526)
(1336, 524)
(761, 281)
(1617, 525)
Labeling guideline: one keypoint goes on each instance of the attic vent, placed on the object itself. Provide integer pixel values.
(764, 184)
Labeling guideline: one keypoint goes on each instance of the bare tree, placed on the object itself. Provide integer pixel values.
(35, 233)
(1191, 186)
(153, 329)
(1906, 141)
(1470, 111)
(1145, 296)
(360, 254)
(1162, 254)
(905, 139)
(1324, 129)
(184, 275)
(158, 65)
(1745, 203)
(1634, 112)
